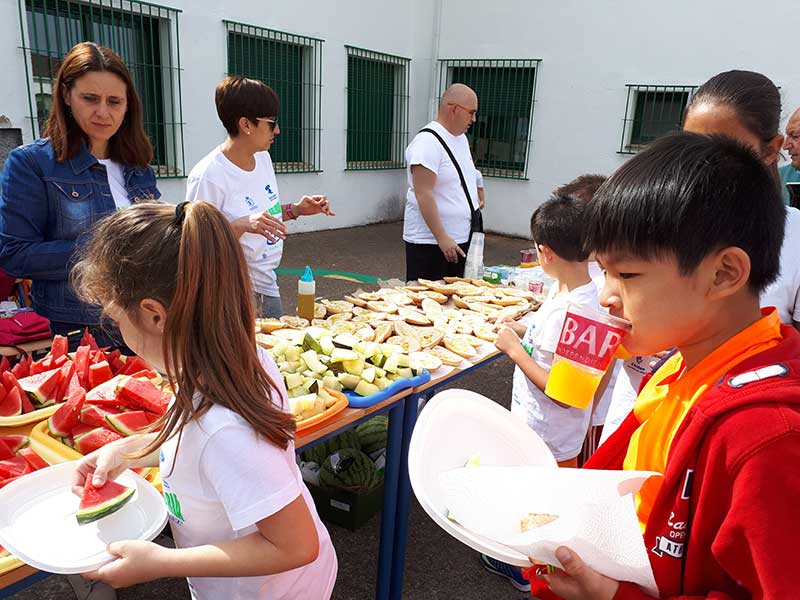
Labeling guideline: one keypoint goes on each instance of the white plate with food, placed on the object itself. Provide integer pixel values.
(39, 520)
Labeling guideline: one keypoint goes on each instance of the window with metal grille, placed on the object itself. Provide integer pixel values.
(292, 66)
(144, 35)
(377, 109)
(500, 138)
(652, 111)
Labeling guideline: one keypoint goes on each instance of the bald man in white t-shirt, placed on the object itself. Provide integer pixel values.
(438, 218)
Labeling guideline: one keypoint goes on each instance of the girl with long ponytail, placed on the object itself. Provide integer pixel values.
(175, 281)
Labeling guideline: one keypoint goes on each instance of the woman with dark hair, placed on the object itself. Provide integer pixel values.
(746, 106)
(238, 178)
(93, 160)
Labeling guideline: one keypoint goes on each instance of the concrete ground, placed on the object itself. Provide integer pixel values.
(437, 566)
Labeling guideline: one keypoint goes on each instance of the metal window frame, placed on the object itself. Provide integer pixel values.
(445, 78)
(311, 96)
(400, 101)
(633, 97)
(166, 76)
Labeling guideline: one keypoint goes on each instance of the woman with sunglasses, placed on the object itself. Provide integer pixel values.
(238, 178)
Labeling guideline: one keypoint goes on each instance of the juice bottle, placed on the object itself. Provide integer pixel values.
(306, 291)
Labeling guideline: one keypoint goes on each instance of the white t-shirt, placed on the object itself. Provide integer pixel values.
(116, 181)
(624, 392)
(237, 193)
(562, 429)
(478, 179)
(784, 293)
(454, 212)
(226, 479)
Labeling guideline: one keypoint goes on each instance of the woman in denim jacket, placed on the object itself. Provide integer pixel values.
(93, 159)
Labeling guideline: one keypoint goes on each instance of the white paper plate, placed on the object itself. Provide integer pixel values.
(453, 426)
(38, 525)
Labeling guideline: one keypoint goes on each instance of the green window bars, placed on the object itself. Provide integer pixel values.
(500, 138)
(377, 109)
(652, 111)
(145, 36)
(292, 66)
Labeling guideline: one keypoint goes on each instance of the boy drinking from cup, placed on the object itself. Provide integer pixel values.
(557, 230)
(685, 259)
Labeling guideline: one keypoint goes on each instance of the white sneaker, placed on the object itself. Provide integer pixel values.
(91, 590)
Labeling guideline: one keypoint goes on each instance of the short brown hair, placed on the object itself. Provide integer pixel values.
(238, 97)
(130, 144)
(582, 188)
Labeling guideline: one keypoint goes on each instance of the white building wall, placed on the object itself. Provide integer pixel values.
(589, 51)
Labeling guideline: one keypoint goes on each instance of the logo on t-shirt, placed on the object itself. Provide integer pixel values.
(250, 202)
(270, 194)
(173, 505)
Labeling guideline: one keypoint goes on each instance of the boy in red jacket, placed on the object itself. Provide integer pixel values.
(689, 232)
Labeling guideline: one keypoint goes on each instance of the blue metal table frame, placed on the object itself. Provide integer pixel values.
(410, 414)
(396, 455)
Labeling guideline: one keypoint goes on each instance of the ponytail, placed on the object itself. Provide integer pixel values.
(191, 262)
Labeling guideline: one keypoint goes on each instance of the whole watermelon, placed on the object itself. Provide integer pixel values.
(372, 434)
(346, 439)
(349, 469)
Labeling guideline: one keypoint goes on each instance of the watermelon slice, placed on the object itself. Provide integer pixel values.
(99, 373)
(129, 423)
(82, 365)
(59, 347)
(60, 361)
(88, 340)
(11, 405)
(66, 417)
(4, 366)
(5, 482)
(89, 442)
(67, 371)
(42, 387)
(14, 467)
(134, 364)
(95, 416)
(106, 393)
(19, 371)
(5, 451)
(15, 442)
(80, 430)
(34, 460)
(97, 503)
(143, 394)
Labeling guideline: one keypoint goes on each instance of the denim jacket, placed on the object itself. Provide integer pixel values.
(46, 208)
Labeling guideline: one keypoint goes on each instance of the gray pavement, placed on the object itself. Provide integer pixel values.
(437, 566)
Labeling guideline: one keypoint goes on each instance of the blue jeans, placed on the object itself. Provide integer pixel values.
(267, 306)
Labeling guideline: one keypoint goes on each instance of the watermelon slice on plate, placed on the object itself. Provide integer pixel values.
(80, 430)
(97, 438)
(130, 422)
(99, 502)
(106, 393)
(88, 340)
(59, 347)
(5, 451)
(82, 365)
(11, 405)
(66, 417)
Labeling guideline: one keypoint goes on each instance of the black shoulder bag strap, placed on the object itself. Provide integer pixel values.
(475, 224)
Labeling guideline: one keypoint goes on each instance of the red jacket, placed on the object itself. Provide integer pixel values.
(726, 522)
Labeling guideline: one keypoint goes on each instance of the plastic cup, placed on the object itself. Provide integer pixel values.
(589, 339)
(528, 258)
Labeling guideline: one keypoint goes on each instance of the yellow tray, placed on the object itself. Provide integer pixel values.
(27, 418)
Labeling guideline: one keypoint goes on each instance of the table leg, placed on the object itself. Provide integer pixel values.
(395, 443)
(410, 413)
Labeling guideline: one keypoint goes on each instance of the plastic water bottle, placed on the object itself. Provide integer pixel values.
(306, 291)
(474, 263)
